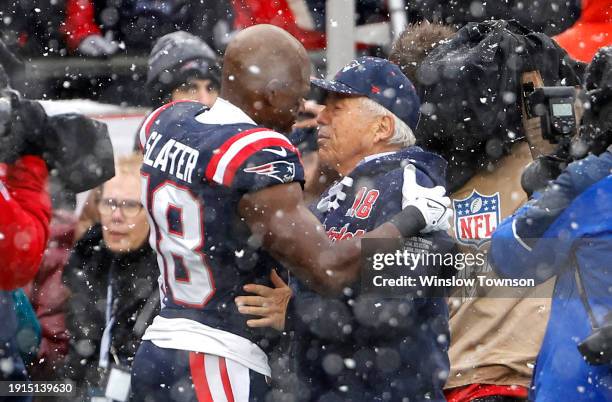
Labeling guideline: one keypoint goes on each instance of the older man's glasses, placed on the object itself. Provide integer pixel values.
(128, 208)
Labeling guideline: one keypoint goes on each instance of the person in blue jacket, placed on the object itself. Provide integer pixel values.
(566, 231)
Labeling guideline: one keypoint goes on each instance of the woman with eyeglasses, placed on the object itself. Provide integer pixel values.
(112, 275)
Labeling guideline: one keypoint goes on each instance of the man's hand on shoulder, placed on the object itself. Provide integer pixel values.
(432, 203)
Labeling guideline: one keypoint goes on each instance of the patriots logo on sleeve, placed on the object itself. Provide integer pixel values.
(282, 171)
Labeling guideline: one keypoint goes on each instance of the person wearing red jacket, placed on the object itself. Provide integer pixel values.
(592, 31)
(83, 33)
(31, 144)
(24, 220)
(25, 210)
(27, 136)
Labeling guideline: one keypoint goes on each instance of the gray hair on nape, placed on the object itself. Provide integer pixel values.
(402, 134)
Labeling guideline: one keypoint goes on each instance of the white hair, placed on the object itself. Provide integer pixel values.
(402, 134)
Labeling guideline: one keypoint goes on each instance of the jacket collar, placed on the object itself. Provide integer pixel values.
(223, 112)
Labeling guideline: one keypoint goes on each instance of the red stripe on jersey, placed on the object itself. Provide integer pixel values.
(246, 152)
(227, 386)
(198, 377)
(218, 153)
(151, 119)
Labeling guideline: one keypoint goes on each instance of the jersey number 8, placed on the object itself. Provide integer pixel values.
(177, 234)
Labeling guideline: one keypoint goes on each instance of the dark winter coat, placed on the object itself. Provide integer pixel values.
(135, 302)
(48, 296)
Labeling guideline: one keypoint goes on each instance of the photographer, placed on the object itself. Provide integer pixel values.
(479, 129)
(32, 143)
(565, 231)
(25, 210)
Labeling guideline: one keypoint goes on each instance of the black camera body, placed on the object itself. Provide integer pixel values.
(597, 347)
(555, 108)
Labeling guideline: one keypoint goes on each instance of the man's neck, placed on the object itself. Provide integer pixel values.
(346, 168)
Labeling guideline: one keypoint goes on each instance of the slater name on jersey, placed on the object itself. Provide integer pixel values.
(174, 158)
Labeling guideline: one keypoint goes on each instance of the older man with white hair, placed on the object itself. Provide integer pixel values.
(362, 346)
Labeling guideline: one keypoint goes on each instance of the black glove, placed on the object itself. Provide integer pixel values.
(538, 173)
(23, 128)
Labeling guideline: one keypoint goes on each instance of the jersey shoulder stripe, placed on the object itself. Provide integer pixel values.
(220, 151)
(145, 128)
(235, 151)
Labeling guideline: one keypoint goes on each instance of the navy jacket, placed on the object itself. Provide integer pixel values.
(360, 346)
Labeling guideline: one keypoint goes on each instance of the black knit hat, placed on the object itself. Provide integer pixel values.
(175, 58)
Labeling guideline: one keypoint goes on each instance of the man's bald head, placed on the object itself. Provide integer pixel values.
(266, 74)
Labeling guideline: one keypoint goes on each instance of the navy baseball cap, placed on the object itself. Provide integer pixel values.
(381, 81)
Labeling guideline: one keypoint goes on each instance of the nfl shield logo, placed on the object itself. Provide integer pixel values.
(476, 218)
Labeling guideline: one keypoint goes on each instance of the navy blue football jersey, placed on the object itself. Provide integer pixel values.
(197, 166)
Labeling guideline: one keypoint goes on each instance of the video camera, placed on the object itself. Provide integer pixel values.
(555, 108)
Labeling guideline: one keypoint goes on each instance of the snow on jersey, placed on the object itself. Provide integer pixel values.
(361, 327)
(198, 163)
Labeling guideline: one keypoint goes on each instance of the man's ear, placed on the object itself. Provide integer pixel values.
(274, 93)
(385, 129)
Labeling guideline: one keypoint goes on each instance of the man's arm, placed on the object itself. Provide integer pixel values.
(523, 242)
(280, 220)
(25, 211)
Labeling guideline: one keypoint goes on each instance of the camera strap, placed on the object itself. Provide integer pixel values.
(583, 295)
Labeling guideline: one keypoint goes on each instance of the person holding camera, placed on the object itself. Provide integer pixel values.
(25, 211)
(479, 129)
(32, 143)
(565, 230)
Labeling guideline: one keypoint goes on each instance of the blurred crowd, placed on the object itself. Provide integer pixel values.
(48, 30)
(84, 302)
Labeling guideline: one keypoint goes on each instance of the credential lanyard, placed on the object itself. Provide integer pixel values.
(105, 343)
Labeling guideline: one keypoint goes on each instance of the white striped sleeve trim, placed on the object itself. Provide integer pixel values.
(142, 134)
(239, 146)
(517, 237)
